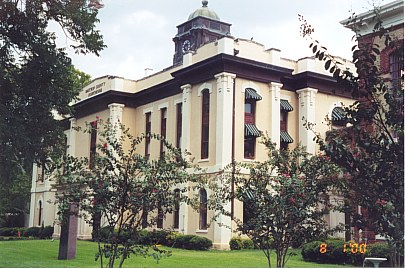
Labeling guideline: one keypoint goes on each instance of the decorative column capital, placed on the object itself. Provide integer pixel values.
(307, 96)
(116, 106)
(225, 81)
(275, 90)
(73, 121)
(186, 88)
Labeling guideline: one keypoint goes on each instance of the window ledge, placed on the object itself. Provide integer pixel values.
(249, 160)
(204, 161)
(201, 231)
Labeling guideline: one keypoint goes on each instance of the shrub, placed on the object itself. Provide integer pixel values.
(47, 232)
(32, 232)
(8, 231)
(380, 250)
(238, 243)
(158, 237)
(171, 238)
(247, 244)
(310, 251)
(194, 242)
(200, 243)
(235, 243)
(334, 253)
(183, 241)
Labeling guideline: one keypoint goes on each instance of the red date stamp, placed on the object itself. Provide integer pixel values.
(350, 247)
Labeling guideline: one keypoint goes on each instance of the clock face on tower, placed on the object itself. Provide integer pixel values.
(186, 46)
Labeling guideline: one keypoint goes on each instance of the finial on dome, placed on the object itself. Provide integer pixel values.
(205, 3)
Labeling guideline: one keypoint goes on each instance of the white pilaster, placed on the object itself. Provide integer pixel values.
(275, 89)
(33, 192)
(72, 136)
(307, 113)
(116, 117)
(186, 117)
(224, 119)
(223, 154)
(185, 145)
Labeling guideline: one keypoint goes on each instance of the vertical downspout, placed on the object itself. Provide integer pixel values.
(233, 151)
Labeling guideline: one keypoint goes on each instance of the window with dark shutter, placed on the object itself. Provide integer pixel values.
(148, 127)
(163, 122)
(205, 124)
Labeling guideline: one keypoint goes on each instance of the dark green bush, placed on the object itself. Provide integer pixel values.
(334, 253)
(310, 251)
(380, 250)
(171, 238)
(33, 232)
(200, 243)
(194, 242)
(238, 243)
(158, 237)
(235, 243)
(46, 232)
(247, 244)
(8, 231)
(183, 241)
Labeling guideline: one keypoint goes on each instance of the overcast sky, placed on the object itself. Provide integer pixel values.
(139, 33)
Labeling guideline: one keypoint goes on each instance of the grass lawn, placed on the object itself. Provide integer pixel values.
(43, 253)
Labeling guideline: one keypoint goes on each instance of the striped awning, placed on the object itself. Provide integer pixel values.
(338, 114)
(251, 130)
(252, 94)
(285, 105)
(285, 137)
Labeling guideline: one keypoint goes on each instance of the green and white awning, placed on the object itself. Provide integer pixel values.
(285, 137)
(285, 105)
(338, 114)
(251, 130)
(252, 94)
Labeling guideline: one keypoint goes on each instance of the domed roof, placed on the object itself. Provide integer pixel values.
(204, 11)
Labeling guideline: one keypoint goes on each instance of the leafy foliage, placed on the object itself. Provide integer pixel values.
(285, 198)
(371, 150)
(124, 187)
(37, 79)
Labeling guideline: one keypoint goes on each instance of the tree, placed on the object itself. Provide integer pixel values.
(371, 149)
(37, 77)
(285, 198)
(130, 191)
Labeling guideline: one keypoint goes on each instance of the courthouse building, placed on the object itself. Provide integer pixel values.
(217, 98)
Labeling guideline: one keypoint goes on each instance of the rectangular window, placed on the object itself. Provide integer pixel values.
(163, 121)
(283, 128)
(396, 66)
(250, 141)
(148, 128)
(205, 124)
(159, 222)
(179, 119)
(176, 212)
(249, 146)
(93, 143)
(250, 106)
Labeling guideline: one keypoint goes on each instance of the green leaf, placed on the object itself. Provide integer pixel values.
(327, 64)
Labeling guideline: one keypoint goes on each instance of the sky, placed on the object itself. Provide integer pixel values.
(139, 33)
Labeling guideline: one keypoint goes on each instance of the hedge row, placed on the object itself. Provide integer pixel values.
(238, 243)
(335, 255)
(39, 232)
(162, 237)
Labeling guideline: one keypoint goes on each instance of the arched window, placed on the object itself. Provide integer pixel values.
(176, 212)
(39, 213)
(203, 209)
(205, 123)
